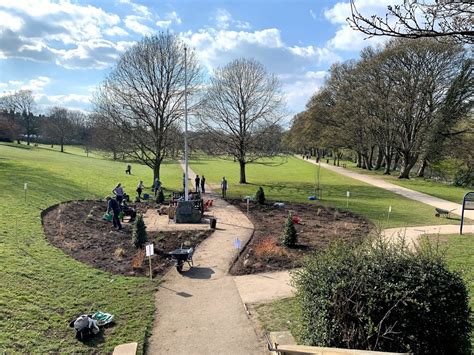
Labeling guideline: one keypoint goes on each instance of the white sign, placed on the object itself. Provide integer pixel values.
(25, 186)
(149, 250)
(390, 209)
(348, 194)
(237, 243)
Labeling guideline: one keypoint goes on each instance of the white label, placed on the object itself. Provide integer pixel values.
(390, 209)
(25, 186)
(149, 250)
(348, 194)
(237, 243)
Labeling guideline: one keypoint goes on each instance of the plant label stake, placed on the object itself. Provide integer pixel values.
(348, 194)
(25, 188)
(149, 252)
(389, 211)
(248, 202)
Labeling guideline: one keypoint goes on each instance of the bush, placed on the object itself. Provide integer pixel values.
(268, 248)
(289, 237)
(139, 235)
(260, 196)
(377, 296)
(160, 197)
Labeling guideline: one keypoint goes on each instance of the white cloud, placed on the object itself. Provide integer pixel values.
(224, 20)
(140, 10)
(116, 31)
(68, 99)
(312, 14)
(133, 23)
(169, 19)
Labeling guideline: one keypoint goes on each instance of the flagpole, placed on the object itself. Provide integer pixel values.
(186, 197)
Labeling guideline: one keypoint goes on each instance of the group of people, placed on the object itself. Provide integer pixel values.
(117, 206)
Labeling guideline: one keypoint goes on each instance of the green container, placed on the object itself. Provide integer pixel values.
(108, 217)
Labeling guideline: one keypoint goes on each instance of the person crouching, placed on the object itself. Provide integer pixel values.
(114, 207)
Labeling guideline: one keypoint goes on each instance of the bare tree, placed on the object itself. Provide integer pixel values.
(144, 95)
(420, 18)
(107, 138)
(22, 102)
(58, 126)
(240, 108)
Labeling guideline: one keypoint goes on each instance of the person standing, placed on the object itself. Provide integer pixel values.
(156, 186)
(197, 180)
(224, 187)
(203, 184)
(118, 191)
(140, 188)
(114, 207)
(129, 170)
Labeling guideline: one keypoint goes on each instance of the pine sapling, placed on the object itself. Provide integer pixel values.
(139, 235)
(289, 237)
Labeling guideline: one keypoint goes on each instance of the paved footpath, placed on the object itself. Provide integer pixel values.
(200, 311)
(411, 194)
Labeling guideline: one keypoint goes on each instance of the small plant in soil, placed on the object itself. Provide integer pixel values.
(160, 198)
(119, 253)
(139, 235)
(137, 261)
(260, 196)
(290, 236)
(268, 248)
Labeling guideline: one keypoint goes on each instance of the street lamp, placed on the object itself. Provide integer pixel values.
(186, 197)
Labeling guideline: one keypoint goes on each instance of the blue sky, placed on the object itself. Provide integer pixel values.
(61, 50)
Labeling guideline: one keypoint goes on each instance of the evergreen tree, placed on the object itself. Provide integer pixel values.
(260, 196)
(289, 237)
(139, 235)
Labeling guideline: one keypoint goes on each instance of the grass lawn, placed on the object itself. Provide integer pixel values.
(282, 314)
(429, 187)
(43, 288)
(294, 180)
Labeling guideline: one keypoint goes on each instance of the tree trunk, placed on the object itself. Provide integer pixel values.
(243, 179)
(395, 161)
(115, 155)
(407, 164)
(156, 170)
(421, 170)
(62, 146)
(371, 156)
(378, 163)
(359, 160)
(388, 161)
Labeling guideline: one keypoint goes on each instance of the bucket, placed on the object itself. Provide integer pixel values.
(108, 217)
(213, 223)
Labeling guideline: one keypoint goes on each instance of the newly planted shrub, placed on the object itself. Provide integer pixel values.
(290, 236)
(260, 196)
(139, 235)
(379, 296)
(268, 248)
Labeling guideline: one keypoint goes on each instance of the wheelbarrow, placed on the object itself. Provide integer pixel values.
(182, 255)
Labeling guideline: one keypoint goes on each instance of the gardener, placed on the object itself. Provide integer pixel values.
(203, 184)
(118, 192)
(114, 207)
(129, 170)
(140, 188)
(224, 187)
(156, 186)
(197, 180)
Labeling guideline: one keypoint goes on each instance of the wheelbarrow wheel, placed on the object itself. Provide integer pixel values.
(179, 267)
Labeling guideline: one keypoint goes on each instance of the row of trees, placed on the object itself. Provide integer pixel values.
(405, 102)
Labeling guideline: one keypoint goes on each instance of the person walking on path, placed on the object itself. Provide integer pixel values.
(224, 187)
(114, 206)
(118, 192)
(129, 170)
(197, 180)
(156, 186)
(203, 184)
(140, 188)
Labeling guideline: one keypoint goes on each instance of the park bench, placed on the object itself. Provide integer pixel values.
(440, 212)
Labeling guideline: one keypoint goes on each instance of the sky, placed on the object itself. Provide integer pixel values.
(62, 50)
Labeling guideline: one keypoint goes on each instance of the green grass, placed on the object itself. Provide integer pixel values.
(278, 315)
(294, 180)
(429, 187)
(41, 287)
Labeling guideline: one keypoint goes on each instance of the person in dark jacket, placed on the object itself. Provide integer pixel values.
(114, 207)
(203, 184)
(197, 181)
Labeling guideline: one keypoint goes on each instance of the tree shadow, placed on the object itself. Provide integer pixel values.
(201, 273)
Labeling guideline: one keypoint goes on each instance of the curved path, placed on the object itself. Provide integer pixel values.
(264, 287)
(200, 311)
(411, 194)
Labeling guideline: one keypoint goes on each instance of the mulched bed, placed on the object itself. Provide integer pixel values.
(78, 229)
(319, 227)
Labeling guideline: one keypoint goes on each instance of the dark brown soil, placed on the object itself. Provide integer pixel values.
(78, 229)
(318, 227)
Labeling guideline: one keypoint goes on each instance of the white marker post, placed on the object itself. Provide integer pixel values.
(348, 194)
(149, 252)
(237, 243)
(25, 188)
(248, 203)
(389, 211)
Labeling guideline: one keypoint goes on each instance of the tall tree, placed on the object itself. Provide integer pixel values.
(144, 94)
(418, 19)
(22, 102)
(58, 127)
(240, 109)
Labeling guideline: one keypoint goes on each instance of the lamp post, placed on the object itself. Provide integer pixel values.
(186, 197)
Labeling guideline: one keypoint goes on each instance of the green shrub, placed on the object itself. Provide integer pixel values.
(160, 197)
(139, 235)
(260, 196)
(289, 237)
(377, 296)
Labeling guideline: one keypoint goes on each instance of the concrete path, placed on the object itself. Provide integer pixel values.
(200, 311)
(265, 287)
(411, 194)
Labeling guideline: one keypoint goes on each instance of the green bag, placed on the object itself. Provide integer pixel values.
(108, 217)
